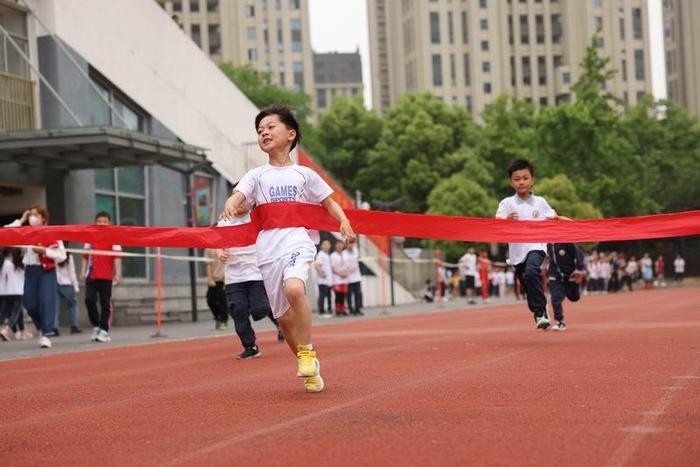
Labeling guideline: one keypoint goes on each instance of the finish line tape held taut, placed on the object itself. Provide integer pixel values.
(280, 215)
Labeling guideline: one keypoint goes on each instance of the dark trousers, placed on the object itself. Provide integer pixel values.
(10, 309)
(40, 295)
(529, 274)
(103, 288)
(324, 295)
(216, 301)
(355, 297)
(561, 289)
(246, 299)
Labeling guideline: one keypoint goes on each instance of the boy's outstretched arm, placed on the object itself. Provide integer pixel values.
(336, 211)
(232, 205)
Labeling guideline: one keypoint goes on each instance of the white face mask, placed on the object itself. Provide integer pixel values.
(35, 220)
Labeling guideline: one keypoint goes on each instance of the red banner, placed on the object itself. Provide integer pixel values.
(276, 215)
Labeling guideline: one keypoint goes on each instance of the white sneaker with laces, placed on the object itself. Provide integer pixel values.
(44, 342)
(103, 336)
(95, 333)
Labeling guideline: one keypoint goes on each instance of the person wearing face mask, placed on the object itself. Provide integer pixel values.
(40, 286)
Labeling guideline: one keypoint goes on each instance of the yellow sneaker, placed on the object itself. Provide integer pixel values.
(307, 363)
(314, 384)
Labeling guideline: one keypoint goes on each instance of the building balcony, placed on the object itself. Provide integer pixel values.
(17, 111)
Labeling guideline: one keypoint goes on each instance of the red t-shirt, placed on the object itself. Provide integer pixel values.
(100, 267)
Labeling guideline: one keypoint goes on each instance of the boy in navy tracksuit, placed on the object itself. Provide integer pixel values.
(566, 271)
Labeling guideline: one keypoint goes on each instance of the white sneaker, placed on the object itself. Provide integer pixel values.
(95, 333)
(44, 342)
(103, 336)
(5, 333)
(560, 326)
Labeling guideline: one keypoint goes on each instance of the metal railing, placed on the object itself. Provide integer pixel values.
(16, 103)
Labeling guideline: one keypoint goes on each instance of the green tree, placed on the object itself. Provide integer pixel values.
(561, 195)
(347, 132)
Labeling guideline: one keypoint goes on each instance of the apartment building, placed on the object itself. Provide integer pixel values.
(271, 35)
(468, 52)
(682, 44)
(336, 75)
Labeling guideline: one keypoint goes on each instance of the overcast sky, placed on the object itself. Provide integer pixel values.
(341, 26)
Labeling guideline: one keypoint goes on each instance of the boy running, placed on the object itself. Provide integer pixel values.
(285, 254)
(527, 258)
(566, 272)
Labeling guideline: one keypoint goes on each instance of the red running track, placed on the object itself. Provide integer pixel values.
(480, 387)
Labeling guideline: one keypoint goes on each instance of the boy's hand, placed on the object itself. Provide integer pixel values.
(347, 232)
(38, 249)
(223, 255)
(577, 276)
(116, 281)
(211, 283)
(25, 216)
(512, 215)
(232, 206)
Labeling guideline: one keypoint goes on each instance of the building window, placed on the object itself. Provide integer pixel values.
(556, 29)
(250, 33)
(125, 114)
(437, 70)
(122, 193)
(467, 74)
(278, 4)
(484, 46)
(621, 18)
(599, 42)
(465, 28)
(598, 22)
(486, 67)
(526, 71)
(513, 81)
(566, 77)
(639, 65)
(483, 4)
(249, 11)
(298, 68)
(623, 64)
(524, 30)
(294, 4)
(468, 103)
(637, 22)
(510, 29)
(295, 24)
(541, 70)
(453, 70)
(177, 6)
(321, 98)
(194, 6)
(196, 35)
(280, 36)
(640, 95)
(434, 27)
(597, 3)
(484, 24)
(252, 54)
(558, 61)
(539, 28)
(543, 102)
(214, 39)
(281, 75)
(487, 88)
(212, 6)
(450, 28)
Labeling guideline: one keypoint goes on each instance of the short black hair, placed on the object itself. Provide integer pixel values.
(103, 214)
(521, 164)
(286, 116)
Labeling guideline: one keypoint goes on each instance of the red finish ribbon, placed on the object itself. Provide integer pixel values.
(277, 215)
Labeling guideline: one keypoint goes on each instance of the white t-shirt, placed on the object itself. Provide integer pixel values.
(353, 259)
(242, 264)
(510, 277)
(324, 261)
(339, 263)
(535, 208)
(679, 265)
(269, 184)
(468, 263)
(11, 278)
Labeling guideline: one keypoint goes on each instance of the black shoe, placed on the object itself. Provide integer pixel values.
(280, 336)
(249, 352)
(75, 330)
(359, 313)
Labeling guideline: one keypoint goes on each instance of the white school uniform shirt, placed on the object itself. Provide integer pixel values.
(324, 261)
(56, 253)
(679, 265)
(11, 278)
(242, 263)
(510, 277)
(468, 262)
(65, 275)
(352, 257)
(339, 264)
(269, 184)
(535, 208)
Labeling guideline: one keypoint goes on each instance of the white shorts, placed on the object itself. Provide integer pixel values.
(294, 264)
